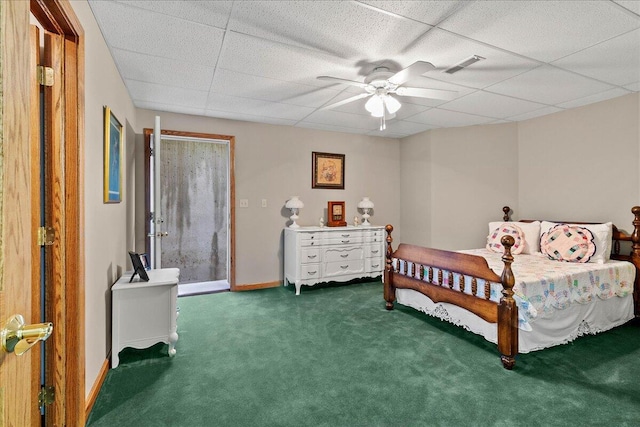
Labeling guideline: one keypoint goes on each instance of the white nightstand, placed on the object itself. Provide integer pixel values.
(144, 313)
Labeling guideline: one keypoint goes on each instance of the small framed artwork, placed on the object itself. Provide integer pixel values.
(138, 268)
(336, 212)
(113, 150)
(327, 170)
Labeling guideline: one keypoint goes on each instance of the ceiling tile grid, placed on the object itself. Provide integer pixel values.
(258, 61)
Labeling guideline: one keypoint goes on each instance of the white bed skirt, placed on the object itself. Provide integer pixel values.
(548, 329)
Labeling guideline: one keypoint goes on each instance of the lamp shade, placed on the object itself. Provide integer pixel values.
(375, 106)
(365, 203)
(294, 203)
(392, 104)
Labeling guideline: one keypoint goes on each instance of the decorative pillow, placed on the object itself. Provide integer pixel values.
(602, 237)
(569, 243)
(506, 229)
(530, 234)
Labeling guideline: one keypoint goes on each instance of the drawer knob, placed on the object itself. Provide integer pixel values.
(311, 256)
(374, 252)
(345, 241)
(344, 266)
(344, 255)
(345, 235)
(375, 266)
(311, 273)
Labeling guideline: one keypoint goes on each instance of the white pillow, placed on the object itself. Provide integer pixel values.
(602, 235)
(530, 230)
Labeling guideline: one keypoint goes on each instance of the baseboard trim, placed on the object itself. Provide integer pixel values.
(254, 286)
(95, 390)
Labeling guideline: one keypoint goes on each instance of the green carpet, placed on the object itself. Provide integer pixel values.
(333, 356)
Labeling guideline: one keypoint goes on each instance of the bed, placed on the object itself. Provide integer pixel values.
(537, 300)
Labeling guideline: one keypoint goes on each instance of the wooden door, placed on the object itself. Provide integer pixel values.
(20, 201)
(16, 373)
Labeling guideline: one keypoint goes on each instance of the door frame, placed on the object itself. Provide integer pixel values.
(65, 290)
(232, 190)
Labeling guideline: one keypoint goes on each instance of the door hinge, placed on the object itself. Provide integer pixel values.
(45, 75)
(46, 236)
(46, 396)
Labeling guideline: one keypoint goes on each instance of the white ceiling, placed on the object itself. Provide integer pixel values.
(258, 60)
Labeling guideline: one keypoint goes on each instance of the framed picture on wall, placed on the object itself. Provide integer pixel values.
(327, 170)
(113, 149)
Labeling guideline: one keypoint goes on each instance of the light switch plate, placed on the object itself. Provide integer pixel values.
(244, 203)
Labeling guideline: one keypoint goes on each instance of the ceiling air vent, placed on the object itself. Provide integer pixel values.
(464, 64)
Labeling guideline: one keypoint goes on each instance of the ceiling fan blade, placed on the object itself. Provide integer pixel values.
(344, 81)
(345, 101)
(419, 92)
(411, 72)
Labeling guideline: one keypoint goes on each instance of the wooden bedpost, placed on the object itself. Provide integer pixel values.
(635, 258)
(507, 310)
(389, 290)
(507, 212)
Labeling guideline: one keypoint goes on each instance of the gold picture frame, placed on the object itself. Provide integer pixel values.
(327, 170)
(113, 154)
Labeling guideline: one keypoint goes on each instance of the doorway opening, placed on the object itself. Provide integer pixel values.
(192, 226)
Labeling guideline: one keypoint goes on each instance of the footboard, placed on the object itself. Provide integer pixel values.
(433, 273)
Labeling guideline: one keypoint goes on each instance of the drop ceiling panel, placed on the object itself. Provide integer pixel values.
(162, 94)
(444, 50)
(404, 127)
(543, 30)
(213, 13)
(249, 118)
(259, 57)
(501, 106)
(537, 113)
(632, 5)
(256, 107)
(437, 117)
(356, 33)
(165, 71)
(242, 85)
(346, 120)
(608, 94)
(172, 108)
(328, 127)
(613, 61)
(140, 30)
(432, 15)
(549, 85)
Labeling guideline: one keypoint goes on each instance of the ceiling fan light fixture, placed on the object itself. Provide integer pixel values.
(375, 106)
(392, 104)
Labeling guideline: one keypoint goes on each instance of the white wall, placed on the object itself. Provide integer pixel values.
(108, 227)
(581, 163)
(274, 163)
(578, 164)
(455, 181)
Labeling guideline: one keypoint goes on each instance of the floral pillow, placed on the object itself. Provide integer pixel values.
(569, 243)
(507, 229)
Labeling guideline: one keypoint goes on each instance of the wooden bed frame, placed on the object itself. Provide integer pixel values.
(504, 313)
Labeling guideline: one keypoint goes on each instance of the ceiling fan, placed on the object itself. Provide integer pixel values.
(381, 83)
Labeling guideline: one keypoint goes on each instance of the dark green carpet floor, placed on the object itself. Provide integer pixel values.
(333, 356)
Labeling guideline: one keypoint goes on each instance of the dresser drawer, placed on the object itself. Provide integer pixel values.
(340, 268)
(343, 254)
(373, 251)
(310, 255)
(346, 239)
(374, 264)
(311, 239)
(310, 271)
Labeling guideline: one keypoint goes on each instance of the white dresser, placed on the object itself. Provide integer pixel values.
(332, 254)
(144, 313)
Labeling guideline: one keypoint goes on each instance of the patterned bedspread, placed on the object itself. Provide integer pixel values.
(543, 285)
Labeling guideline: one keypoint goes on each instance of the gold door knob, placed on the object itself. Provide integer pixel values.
(19, 337)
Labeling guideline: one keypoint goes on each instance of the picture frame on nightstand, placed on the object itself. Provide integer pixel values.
(336, 214)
